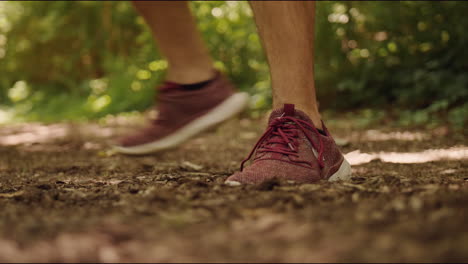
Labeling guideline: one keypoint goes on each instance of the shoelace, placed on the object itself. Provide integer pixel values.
(285, 130)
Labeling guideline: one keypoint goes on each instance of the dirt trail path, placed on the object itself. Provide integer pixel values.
(63, 197)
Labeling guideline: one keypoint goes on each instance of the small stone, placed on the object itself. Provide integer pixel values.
(193, 166)
(416, 203)
(398, 204)
(448, 171)
(355, 197)
(385, 189)
(232, 183)
(309, 187)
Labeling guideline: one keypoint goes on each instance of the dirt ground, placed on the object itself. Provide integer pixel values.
(64, 197)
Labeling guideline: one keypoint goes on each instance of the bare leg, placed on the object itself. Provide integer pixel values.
(178, 40)
(287, 32)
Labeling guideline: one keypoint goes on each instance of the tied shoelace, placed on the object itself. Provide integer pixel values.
(281, 137)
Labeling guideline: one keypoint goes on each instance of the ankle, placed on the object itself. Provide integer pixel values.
(311, 111)
(316, 118)
(189, 76)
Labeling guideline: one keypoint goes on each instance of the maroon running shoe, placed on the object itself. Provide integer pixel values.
(184, 113)
(293, 149)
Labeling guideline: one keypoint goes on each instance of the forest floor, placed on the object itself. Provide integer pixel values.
(65, 197)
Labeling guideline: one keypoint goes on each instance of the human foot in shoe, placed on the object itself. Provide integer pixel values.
(184, 111)
(293, 149)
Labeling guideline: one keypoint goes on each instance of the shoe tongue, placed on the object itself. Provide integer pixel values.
(289, 110)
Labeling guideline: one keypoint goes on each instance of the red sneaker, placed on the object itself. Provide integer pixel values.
(183, 114)
(293, 149)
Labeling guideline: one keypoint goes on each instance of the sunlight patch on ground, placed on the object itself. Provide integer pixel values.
(454, 153)
(38, 133)
(376, 135)
(12, 134)
(33, 133)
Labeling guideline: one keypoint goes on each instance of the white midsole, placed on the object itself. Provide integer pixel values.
(343, 173)
(230, 107)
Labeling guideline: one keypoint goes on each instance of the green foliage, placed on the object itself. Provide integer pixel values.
(87, 59)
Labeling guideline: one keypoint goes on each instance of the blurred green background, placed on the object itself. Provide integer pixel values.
(82, 60)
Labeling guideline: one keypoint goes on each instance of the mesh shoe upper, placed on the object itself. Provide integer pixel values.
(293, 149)
(177, 107)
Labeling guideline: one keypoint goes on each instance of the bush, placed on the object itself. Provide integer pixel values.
(86, 59)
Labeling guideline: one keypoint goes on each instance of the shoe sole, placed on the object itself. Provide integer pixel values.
(227, 109)
(342, 174)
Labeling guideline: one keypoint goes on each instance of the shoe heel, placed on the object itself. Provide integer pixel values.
(343, 173)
